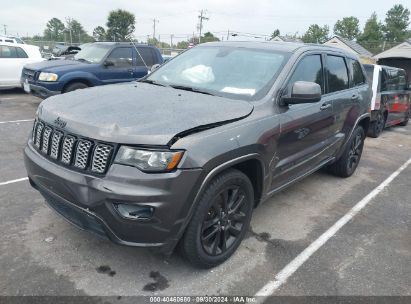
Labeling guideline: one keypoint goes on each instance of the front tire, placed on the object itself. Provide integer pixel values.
(75, 86)
(346, 165)
(405, 122)
(220, 221)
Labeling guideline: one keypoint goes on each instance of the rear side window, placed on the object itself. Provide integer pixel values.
(121, 57)
(21, 53)
(337, 75)
(8, 51)
(393, 80)
(357, 77)
(309, 69)
(148, 56)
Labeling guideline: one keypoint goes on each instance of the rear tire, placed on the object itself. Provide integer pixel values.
(346, 165)
(377, 126)
(75, 86)
(220, 221)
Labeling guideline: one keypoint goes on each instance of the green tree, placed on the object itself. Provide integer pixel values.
(316, 34)
(182, 44)
(209, 37)
(348, 27)
(99, 33)
(372, 38)
(54, 30)
(76, 32)
(120, 25)
(275, 33)
(396, 23)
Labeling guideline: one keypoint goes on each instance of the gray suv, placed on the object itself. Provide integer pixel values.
(183, 156)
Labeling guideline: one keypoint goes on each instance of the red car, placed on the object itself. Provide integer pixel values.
(390, 103)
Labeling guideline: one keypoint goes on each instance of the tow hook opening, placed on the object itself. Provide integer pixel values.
(134, 212)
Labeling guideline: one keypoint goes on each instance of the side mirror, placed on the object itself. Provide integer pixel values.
(108, 63)
(304, 92)
(154, 67)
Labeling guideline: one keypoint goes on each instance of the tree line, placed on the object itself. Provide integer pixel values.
(375, 34)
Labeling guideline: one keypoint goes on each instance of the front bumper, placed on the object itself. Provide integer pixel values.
(87, 201)
(42, 90)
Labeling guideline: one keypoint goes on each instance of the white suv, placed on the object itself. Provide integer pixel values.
(11, 40)
(13, 57)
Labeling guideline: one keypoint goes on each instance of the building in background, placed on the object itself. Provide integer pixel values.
(351, 46)
(399, 56)
(286, 39)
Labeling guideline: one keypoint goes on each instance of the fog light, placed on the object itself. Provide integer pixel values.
(135, 212)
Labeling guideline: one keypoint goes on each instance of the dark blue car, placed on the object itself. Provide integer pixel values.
(96, 64)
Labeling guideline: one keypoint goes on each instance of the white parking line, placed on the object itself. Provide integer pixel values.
(293, 266)
(15, 121)
(14, 181)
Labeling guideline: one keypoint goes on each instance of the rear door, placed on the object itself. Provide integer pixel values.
(394, 94)
(306, 129)
(144, 61)
(345, 97)
(122, 67)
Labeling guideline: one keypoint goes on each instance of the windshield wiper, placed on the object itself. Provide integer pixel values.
(82, 60)
(153, 82)
(186, 88)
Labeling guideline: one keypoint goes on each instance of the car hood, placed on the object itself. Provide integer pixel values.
(139, 113)
(56, 65)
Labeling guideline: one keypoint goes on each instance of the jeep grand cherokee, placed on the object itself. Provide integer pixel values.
(186, 154)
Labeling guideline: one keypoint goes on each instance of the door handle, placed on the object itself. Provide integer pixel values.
(355, 97)
(130, 70)
(325, 106)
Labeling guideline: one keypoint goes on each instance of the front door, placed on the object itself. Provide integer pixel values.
(118, 66)
(306, 129)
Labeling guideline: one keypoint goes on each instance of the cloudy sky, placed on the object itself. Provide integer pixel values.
(180, 17)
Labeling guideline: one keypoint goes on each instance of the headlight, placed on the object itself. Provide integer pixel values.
(44, 76)
(147, 160)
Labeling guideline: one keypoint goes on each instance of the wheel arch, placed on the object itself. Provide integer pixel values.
(85, 81)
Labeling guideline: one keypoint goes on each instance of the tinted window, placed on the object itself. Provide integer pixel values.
(309, 69)
(393, 80)
(148, 56)
(8, 52)
(357, 73)
(337, 74)
(369, 69)
(122, 57)
(21, 53)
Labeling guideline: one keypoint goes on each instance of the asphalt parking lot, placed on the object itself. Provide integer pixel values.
(369, 256)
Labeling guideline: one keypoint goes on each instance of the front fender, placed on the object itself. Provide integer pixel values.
(80, 75)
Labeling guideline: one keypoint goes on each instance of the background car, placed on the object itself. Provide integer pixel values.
(11, 40)
(390, 104)
(12, 59)
(97, 64)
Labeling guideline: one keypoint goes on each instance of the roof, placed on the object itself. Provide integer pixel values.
(356, 47)
(289, 47)
(402, 50)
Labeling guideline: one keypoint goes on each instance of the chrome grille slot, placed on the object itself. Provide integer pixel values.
(82, 154)
(55, 144)
(101, 155)
(71, 150)
(39, 132)
(67, 151)
(46, 140)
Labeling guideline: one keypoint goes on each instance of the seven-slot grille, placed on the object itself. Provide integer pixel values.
(80, 153)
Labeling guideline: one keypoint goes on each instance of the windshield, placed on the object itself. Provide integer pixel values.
(93, 53)
(223, 71)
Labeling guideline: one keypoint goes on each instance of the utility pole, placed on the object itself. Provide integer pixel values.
(5, 29)
(201, 18)
(154, 27)
(171, 40)
(228, 35)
